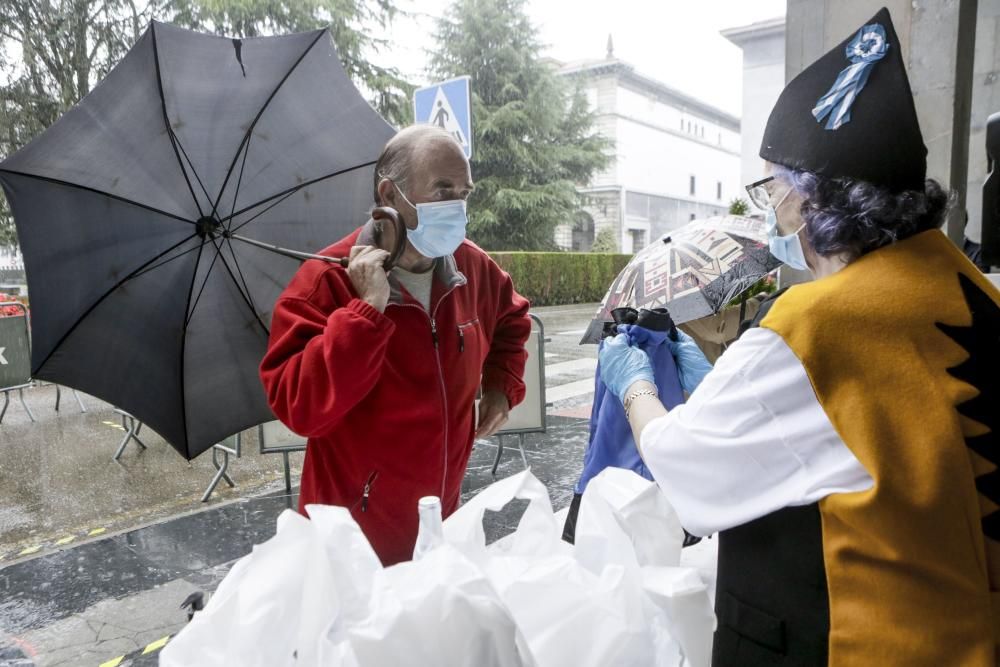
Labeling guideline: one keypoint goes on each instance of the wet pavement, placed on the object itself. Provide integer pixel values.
(97, 556)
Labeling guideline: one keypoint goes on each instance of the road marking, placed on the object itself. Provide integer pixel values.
(570, 390)
(114, 662)
(158, 644)
(51, 542)
(586, 364)
(3, 359)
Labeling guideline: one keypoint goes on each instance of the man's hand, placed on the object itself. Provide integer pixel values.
(493, 413)
(368, 275)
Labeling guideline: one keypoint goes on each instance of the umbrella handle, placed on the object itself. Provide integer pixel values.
(380, 213)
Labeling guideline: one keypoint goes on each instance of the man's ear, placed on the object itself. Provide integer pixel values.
(387, 193)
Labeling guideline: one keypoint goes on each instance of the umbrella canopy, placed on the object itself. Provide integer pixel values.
(693, 271)
(130, 210)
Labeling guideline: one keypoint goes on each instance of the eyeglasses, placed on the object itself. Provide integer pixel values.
(759, 195)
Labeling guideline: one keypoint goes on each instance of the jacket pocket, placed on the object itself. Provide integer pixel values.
(751, 623)
(468, 335)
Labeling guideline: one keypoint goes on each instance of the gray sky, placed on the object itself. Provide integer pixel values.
(674, 41)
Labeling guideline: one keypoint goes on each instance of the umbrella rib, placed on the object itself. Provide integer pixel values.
(246, 297)
(208, 197)
(284, 194)
(246, 287)
(166, 121)
(239, 182)
(104, 296)
(99, 192)
(201, 290)
(187, 305)
(253, 124)
(260, 213)
(167, 261)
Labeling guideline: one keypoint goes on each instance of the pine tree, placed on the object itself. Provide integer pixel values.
(981, 340)
(533, 139)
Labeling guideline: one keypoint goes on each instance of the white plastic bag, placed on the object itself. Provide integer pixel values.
(440, 610)
(316, 594)
(618, 587)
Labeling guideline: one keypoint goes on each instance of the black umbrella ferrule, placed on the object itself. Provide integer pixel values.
(209, 227)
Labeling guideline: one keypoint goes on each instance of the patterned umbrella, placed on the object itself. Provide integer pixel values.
(693, 271)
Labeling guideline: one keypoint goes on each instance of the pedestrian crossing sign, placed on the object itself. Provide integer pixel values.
(447, 105)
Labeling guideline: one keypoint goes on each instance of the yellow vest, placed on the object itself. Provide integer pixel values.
(912, 578)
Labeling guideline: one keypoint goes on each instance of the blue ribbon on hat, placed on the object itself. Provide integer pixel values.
(867, 48)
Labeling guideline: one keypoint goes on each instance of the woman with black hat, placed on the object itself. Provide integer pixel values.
(847, 450)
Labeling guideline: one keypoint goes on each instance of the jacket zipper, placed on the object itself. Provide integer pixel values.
(366, 492)
(444, 393)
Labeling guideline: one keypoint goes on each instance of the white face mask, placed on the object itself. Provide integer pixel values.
(787, 248)
(440, 226)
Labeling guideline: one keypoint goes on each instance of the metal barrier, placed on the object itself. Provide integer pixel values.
(232, 445)
(529, 415)
(276, 438)
(15, 357)
(132, 428)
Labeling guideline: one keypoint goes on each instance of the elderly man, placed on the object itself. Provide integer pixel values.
(381, 370)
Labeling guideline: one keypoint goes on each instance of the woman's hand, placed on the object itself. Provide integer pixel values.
(692, 366)
(623, 365)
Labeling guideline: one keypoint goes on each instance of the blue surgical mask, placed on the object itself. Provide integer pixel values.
(788, 248)
(440, 227)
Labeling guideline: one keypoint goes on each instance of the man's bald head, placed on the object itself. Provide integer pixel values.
(401, 154)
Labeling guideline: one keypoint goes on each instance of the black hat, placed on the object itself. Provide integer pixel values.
(851, 114)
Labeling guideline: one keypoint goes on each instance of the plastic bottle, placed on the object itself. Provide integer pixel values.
(431, 533)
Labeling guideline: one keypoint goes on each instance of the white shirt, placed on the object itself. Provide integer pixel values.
(751, 440)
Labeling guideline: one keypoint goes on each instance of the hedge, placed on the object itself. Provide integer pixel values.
(558, 278)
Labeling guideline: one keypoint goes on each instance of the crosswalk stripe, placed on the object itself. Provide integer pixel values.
(569, 390)
(586, 364)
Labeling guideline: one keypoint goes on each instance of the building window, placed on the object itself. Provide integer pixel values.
(638, 239)
(692, 187)
(718, 190)
(682, 124)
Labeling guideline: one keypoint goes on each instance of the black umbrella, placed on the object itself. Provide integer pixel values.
(144, 211)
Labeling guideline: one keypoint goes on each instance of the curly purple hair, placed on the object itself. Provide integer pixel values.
(848, 217)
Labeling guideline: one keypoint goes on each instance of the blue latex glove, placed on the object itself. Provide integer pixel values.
(622, 365)
(692, 366)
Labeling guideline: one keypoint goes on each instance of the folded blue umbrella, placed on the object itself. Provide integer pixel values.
(611, 443)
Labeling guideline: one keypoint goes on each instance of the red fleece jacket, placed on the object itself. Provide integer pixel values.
(387, 400)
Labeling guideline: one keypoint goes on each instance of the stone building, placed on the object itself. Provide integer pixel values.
(674, 158)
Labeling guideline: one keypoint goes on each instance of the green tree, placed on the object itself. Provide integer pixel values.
(739, 206)
(533, 135)
(352, 23)
(52, 52)
(605, 241)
